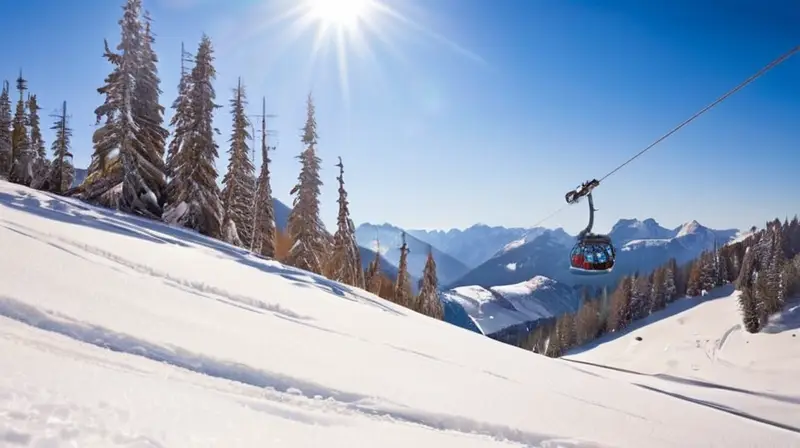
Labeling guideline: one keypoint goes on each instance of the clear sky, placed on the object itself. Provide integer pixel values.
(464, 111)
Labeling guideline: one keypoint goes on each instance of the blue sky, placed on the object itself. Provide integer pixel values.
(481, 111)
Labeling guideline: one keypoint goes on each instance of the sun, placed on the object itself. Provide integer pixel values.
(343, 14)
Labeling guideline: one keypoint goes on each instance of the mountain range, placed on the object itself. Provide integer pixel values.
(503, 256)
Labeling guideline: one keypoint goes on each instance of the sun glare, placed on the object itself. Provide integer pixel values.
(339, 13)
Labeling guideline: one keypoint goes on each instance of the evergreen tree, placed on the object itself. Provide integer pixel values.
(264, 230)
(62, 172)
(132, 129)
(428, 301)
(180, 122)
(21, 154)
(724, 268)
(620, 312)
(5, 131)
(41, 166)
(36, 140)
(345, 262)
(749, 307)
(694, 284)
(402, 287)
(105, 170)
(640, 297)
(566, 332)
(197, 203)
(775, 265)
(708, 271)
(147, 187)
(658, 298)
(238, 193)
(304, 223)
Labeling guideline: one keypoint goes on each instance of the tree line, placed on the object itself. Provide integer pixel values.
(764, 267)
(138, 166)
(23, 156)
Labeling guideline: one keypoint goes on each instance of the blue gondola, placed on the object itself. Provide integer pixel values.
(593, 254)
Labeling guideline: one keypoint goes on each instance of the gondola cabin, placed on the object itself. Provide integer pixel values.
(592, 255)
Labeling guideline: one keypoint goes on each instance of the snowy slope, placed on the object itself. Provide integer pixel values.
(642, 246)
(116, 331)
(697, 352)
(499, 307)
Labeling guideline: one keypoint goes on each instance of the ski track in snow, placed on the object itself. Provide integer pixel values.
(198, 363)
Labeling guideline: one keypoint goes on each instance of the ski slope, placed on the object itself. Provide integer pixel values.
(116, 331)
(696, 351)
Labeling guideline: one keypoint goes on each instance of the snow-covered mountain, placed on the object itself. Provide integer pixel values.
(119, 331)
(474, 245)
(448, 269)
(641, 245)
(512, 309)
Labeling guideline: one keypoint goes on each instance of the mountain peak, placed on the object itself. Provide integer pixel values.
(689, 228)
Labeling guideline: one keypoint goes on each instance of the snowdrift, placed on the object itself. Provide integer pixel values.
(696, 351)
(116, 331)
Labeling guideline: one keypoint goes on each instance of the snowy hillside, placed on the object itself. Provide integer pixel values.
(474, 245)
(447, 268)
(500, 307)
(696, 351)
(642, 246)
(116, 331)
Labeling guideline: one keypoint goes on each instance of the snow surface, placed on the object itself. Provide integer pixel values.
(117, 331)
(696, 351)
(499, 307)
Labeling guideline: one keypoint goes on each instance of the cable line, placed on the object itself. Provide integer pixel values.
(749, 80)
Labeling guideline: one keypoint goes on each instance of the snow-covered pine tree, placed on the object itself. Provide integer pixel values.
(747, 300)
(105, 168)
(304, 223)
(5, 131)
(708, 271)
(428, 302)
(344, 264)
(36, 140)
(121, 140)
(402, 287)
(264, 231)
(180, 121)
(777, 259)
(144, 192)
(41, 165)
(197, 203)
(724, 268)
(21, 154)
(748, 267)
(62, 172)
(238, 192)
(670, 287)
(658, 297)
